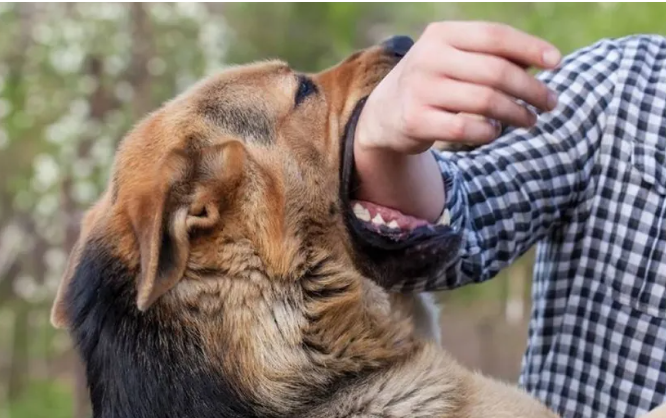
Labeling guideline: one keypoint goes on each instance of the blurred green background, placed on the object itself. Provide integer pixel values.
(75, 77)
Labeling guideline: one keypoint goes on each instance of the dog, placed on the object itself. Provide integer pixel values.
(224, 273)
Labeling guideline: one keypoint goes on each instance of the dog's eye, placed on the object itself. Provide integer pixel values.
(305, 88)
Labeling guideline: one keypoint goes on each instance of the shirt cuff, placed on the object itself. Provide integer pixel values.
(453, 213)
(456, 207)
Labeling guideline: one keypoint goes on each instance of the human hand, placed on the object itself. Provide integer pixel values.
(456, 84)
(457, 69)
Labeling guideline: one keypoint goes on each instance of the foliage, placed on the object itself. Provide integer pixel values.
(42, 399)
(313, 36)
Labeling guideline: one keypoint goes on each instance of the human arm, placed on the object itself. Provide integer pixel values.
(454, 70)
(506, 195)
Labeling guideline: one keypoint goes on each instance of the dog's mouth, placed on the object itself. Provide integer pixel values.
(384, 220)
(381, 226)
(389, 245)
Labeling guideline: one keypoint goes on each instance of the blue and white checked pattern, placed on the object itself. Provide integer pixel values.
(587, 185)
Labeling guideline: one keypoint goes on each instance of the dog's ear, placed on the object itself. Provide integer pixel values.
(185, 194)
(59, 317)
(194, 187)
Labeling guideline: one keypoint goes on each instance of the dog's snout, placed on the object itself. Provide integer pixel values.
(398, 45)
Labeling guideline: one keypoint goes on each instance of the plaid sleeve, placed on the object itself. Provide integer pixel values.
(504, 197)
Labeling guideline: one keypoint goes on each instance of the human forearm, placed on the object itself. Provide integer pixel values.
(411, 184)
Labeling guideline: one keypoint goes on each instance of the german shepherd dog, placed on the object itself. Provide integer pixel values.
(223, 273)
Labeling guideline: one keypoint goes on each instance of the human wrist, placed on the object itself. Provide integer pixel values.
(367, 134)
(409, 183)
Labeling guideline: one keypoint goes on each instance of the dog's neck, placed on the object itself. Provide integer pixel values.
(256, 357)
(308, 339)
(138, 364)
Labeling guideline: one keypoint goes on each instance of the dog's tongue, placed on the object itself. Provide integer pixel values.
(381, 215)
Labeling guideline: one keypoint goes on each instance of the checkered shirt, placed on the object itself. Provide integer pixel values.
(587, 186)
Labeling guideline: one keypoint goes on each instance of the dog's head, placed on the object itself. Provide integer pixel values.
(260, 154)
(226, 210)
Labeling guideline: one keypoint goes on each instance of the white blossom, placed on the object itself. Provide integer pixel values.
(26, 287)
(156, 66)
(46, 171)
(84, 192)
(47, 205)
(67, 59)
(124, 91)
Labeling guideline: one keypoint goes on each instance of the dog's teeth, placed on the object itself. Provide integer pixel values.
(378, 220)
(445, 219)
(393, 225)
(361, 213)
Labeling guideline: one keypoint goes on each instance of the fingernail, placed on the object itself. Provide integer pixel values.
(551, 57)
(552, 100)
(497, 125)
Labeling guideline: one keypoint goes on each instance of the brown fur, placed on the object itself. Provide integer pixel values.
(225, 204)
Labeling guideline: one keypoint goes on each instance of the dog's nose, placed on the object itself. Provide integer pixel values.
(398, 45)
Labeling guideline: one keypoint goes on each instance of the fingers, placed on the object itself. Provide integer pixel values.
(497, 73)
(453, 81)
(498, 39)
(457, 96)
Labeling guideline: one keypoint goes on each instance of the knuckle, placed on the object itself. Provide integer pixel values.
(530, 117)
(484, 32)
(410, 119)
(501, 74)
(456, 128)
(488, 101)
(433, 29)
(534, 93)
(493, 33)
(496, 30)
(521, 114)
